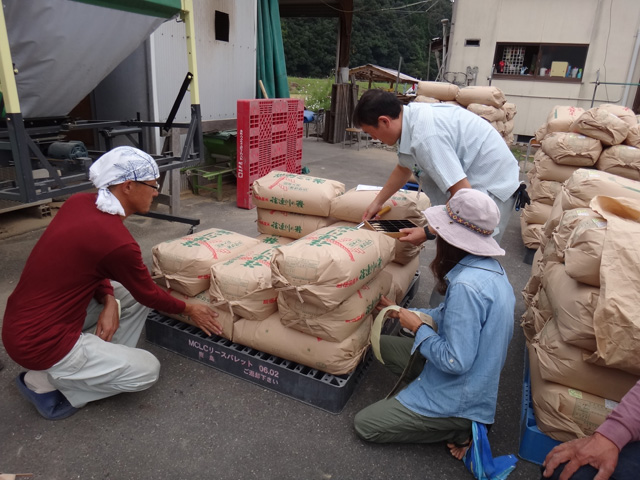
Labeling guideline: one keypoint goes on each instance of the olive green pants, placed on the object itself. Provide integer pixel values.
(388, 421)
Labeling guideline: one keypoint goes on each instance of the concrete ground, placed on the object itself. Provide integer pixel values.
(200, 423)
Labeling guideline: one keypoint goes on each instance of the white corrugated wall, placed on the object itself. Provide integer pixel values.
(226, 70)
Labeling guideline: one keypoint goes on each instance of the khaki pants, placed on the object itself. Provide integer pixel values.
(388, 421)
(95, 369)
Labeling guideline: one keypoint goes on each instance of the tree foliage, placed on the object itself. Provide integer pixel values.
(383, 31)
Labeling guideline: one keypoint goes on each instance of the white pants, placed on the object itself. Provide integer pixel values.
(96, 369)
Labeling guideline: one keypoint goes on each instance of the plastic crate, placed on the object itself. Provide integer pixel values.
(534, 445)
(269, 138)
(308, 385)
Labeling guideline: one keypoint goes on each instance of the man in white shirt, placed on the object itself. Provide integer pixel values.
(445, 147)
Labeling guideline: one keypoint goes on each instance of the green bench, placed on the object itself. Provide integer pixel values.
(213, 173)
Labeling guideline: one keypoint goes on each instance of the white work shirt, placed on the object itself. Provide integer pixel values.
(448, 143)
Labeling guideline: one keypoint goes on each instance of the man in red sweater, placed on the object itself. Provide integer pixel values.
(77, 312)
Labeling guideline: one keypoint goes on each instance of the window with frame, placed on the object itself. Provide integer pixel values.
(540, 61)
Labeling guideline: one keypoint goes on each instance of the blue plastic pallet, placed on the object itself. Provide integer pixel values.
(308, 385)
(534, 445)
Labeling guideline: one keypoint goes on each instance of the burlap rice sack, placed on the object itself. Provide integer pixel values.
(489, 113)
(541, 132)
(562, 412)
(224, 318)
(568, 222)
(532, 286)
(328, 266)
(531, 234)
(510, 110)
(341, 322)
(599, 123)
(336, 358)
(568, 148)
(561, 118)
(535, 262)
(499, 126)
(405, 252)
(547, 169)
(485, 95)
(583, 254)
(273, 239)
(623, 160)
(341, 223)
(633, 137)
(623, 113)
(425, 99)
(530, 322)
(536, 315)
(585, 184)
(616, 321)
(554, 214)
(544, 191)
(288, 224)
(185, 263)
(439, 90)
(242, 284)
(401, 278)
(405, 205)
(562, 363)
(536, 212)
(509, 138)
(508, 126)
(289, 192)
(573, 304)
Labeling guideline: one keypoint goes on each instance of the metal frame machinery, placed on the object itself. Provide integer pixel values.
(25, 144)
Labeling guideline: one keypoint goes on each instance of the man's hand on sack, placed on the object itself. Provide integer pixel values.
(204, 318)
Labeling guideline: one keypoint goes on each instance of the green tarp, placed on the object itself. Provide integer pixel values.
(271, 68)
(154, 8)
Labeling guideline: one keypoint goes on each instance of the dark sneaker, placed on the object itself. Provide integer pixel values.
(52, 405)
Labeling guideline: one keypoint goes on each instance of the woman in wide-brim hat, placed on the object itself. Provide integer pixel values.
(454, 379)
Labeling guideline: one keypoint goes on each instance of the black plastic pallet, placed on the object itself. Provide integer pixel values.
(308, 385)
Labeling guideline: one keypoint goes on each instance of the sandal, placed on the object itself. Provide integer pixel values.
(52, 405)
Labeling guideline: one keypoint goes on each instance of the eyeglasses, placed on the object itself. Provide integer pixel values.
(155, 187)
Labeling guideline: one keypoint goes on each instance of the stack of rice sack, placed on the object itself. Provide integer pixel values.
(292, 205)
(327, 284)
(573, 138)
(310, 300)
(581, 323)
(485, 101)
(405, 205)
(183, 267)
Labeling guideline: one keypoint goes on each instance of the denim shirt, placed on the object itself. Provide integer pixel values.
(465, 357)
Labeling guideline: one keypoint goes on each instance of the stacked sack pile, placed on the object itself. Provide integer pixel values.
(487, 102)
(309, 300)
(581, 323)
(605, 137)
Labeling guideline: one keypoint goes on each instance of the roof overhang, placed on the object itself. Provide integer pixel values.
(375, 73)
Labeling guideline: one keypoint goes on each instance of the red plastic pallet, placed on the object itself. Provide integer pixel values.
(269, 138)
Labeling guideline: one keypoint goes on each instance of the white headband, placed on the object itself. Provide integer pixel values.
(115, 167)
